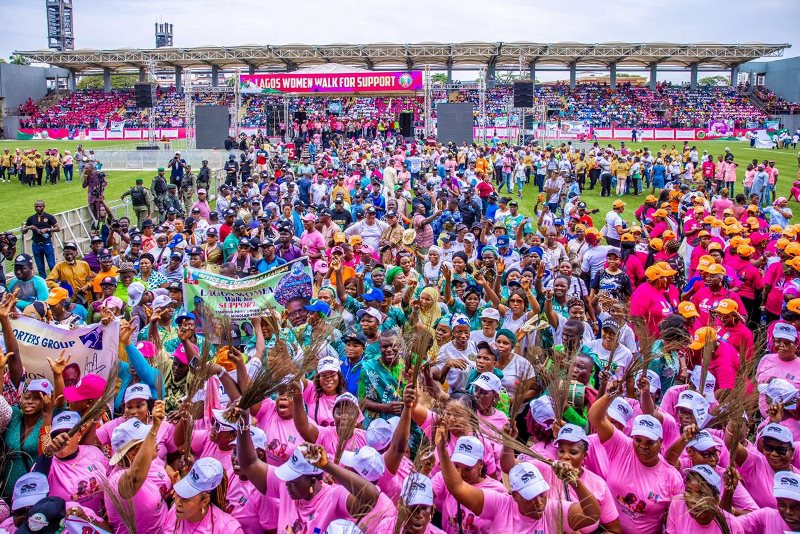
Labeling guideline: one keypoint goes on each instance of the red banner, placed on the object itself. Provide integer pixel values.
(355, 82)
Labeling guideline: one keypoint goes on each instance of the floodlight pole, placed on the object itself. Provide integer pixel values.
(428, 97)
(151, 116)
(238, 102)
(482, 104)
(188, 92)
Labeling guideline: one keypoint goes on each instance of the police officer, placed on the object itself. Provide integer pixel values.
(159, 189)
(231, 171)
(187, 189)
(204, 176)
(141, 199)
(172, 200)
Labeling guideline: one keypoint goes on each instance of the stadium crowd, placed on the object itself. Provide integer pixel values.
(595, 103)
(441, 362)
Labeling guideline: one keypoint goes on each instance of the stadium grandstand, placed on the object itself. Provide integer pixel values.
(597, 101)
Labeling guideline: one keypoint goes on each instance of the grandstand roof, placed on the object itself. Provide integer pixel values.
(412, 56)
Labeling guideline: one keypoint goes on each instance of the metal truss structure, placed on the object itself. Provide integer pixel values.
(385, 56)
(190, 90)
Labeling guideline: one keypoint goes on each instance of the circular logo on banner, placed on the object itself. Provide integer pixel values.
(405, 80)
(701, 134)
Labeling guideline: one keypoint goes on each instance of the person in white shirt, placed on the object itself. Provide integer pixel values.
(369, 228)
(615, 225)
(608, 348)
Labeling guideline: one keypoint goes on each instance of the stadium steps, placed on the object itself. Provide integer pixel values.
(757, 102)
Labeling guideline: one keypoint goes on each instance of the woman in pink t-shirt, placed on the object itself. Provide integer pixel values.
(200, 501)
(140, 476)
(347, 420)
(527, 508)
(757, 465)
(641, 482)
(320, 393)
(704, 483)
(650, 302)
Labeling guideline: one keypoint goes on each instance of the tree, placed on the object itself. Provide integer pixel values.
(714, 81)
(120, 81)
(439, 77)
(16, 59)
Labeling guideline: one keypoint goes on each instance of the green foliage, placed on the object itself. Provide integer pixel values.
(439, 77)
(714, 81)
(16, 59)
(120, 81)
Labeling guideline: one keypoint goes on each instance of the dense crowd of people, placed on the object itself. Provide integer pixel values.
(593, 103)
(446, 363)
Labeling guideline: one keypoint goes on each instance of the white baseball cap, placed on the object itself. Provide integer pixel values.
(488, 382)
(779, 432)
(572, 433)
(711, 383)
(367, 462)
(703, 441)
(417, 490)
(342, 526)
(42, 385)
(490, 313)
(647, 426)
(780, 391)
(346, 397)
(689, 399)
(372, 312)
(135, 292)
(295, 467)
(542, 411)
(206, 474)
(162, 301)
(786, 485)
(708, 474)
(380, 432)
(469, 450)
(784, 331)
(219, 415)
(131, 432)
(620, 411)
(137, 391)
(65, 421)
(652, 376)
(525, 479)
(259, 438)
(29, 489)
(328, 364)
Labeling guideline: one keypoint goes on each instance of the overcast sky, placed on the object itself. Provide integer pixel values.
(130, 23)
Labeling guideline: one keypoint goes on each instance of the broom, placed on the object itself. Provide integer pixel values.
(99, 406)
(124, 507)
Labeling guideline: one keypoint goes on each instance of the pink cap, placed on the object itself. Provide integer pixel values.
(147, 349)
(180, 354)
(309, 217)
(113, 302)
(90, 387)
(366, 249)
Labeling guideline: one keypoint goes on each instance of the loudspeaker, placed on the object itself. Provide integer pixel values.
(454, 123)
(523, 94)
(527, 122)
(211, 126)
(300, 116)
(406, 129)
(145, 94)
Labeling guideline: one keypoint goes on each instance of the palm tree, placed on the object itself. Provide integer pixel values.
(17, 59)
(439, 77)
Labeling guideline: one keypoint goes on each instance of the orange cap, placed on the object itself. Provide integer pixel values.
(666, 268)
(660, 213)
(703, 233)
(794, 263)
(745, 250)
(715, 268)
(668, 235)
(792, 249)
(628, 238)
(714, 246)
(650, 198)
(657, 244)
(726, 306)
(703, 336)
(687, 309)
(782, 243)
(793, 305)
(654, 272)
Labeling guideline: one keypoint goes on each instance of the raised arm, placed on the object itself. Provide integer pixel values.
(254, 469)
(597, 414)
(394, 455)
(363, 494)
(465, 494)
(13, 361)
(134, 478)
(307, 430)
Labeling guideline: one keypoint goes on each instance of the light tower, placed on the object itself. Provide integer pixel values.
(163, 34)
(60, 35)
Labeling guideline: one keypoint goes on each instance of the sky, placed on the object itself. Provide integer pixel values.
(106, 24)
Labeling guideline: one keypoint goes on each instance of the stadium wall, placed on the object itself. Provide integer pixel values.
(781, 76)
(20, 82)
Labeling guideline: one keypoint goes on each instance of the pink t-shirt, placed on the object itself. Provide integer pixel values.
(670, 399)
(706, 300)
(757, 477)
(304, 516)
(329, 438)
(502, 511)
(320, 408)
(651, 305)
(79, 479)
(282, 435)
(642, 494)
(680, 522)
(597, 458)
(761, 521)
(149, 498)
(497, 419)
(491, 450)
(392, 484)
(388, 526)
(596, 486)
(244, 503)
(312, 243)
(448, 506)
(214, 522)
(774, 277)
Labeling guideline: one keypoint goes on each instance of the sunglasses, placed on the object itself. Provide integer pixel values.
(781, 451)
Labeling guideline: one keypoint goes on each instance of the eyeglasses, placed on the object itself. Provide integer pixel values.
(710, 453)
(781, 451)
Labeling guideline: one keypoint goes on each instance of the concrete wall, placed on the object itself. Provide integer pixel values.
(781, 76)
(17, 84)
(790, 122)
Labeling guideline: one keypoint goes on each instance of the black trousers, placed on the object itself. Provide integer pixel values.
(605, 184)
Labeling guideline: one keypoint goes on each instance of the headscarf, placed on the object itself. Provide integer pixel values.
(428, 317)
(392, 273)
(507, 333)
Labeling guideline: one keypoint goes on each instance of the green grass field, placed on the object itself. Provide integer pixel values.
(16, 201)
(41, 145)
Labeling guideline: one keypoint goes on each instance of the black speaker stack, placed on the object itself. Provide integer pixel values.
(406, 128)
(145, 94)
(523, 94)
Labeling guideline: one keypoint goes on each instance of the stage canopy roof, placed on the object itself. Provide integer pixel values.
(388, 56)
